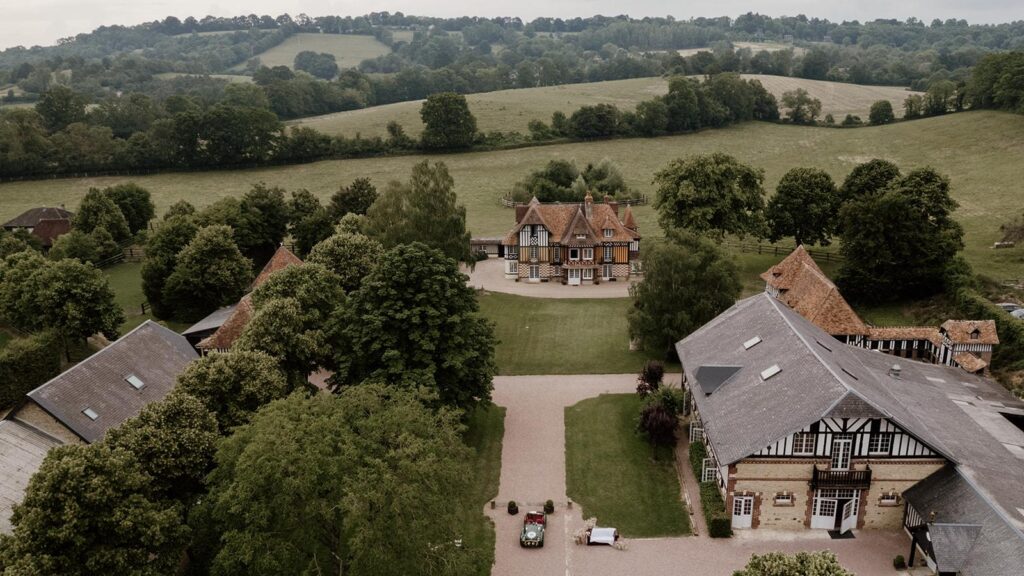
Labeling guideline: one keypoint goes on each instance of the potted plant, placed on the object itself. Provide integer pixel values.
(549, 507)
(513, 508)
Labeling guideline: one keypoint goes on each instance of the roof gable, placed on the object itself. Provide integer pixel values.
(970, 331)
(152, 353)
(31, 217)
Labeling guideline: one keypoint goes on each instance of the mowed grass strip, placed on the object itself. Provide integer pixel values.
(125, 280)
(980, 152)
(561, 336)
(348, 49)
(615, 475)
(512, 110)
(485, 429)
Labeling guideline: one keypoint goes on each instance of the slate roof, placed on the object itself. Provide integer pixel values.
(953, 542)
(151, 352)
(959, 331)
(214, 321)
(22, 450)
(805, 288)
(50, 229)
(31, 217)
(564, 221)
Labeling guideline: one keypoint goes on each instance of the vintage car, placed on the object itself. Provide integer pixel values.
(532, 535)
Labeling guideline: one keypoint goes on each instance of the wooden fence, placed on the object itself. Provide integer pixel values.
(774, 250)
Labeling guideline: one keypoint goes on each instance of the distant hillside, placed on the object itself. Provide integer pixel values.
(509, 110)
(349, 50)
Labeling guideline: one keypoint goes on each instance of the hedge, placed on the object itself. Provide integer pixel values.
(718, 520)
(26, 363)
(698, 452)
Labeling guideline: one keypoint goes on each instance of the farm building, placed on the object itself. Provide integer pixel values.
(218, 331)
(574, 243)
(804, 432)
(83, 403)
(799, 283)
(45, 223)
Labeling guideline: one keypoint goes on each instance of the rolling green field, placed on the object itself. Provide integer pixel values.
(512, 110)
(980, 151)
(615, 475)
(348, 49)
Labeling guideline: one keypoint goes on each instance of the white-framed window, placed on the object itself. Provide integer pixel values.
(606, 271)
(574, 253)
(783, 498)
(588, 253)
(556, 253)
(534, 272)
(880, 443)
(608, 233)
(891, 498)
(513, 267)
(803, 443)
(533, 251)
(588, 273)
(608, 253)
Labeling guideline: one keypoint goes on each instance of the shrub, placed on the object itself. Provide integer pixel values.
(718, 520)
(513, 508)
(899, 562)
(26, 363)
(650, 377)
(698, 452)
(549, 507)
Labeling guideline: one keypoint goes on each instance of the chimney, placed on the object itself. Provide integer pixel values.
(895, 371)
(612, 204)
(588, 206)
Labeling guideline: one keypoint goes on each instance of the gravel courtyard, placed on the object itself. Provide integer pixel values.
(490, 275)
(533, 470)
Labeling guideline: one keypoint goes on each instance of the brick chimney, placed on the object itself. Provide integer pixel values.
(612, 204)
(588, 206)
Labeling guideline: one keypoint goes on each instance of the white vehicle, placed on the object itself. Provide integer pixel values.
(1009, 306)
(1018, 313)
(605, 536)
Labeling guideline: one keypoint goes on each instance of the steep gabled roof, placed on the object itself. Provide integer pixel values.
(970, 362)
(960, 331)
(561, 220)
(281, 259)
(805, 288)
(628, 220)
(153, 354)
(230, 329)
(31, 217)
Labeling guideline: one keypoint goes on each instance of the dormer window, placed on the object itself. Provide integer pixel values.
(608, 233)
(975, 334)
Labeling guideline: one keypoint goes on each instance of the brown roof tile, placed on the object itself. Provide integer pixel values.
(959, 331)
(929, 333)
(31, 217)
(628, 220)
(805, 288)
(970, 362)
(564, 220)
(231, 329)
(282, 258)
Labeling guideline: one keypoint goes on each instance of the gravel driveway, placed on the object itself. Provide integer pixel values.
(490, 275)
(533, 470)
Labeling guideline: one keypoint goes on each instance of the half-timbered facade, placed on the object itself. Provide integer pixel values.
(576, 243)
(798, 282)
(805, 432)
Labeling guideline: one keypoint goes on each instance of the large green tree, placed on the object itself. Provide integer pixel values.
(447, 122)
(91, 510)
(61, 106)
(98, 210)
(881, 113)
(356, 198)
(357, 484)
(424, 209)
(687, 282)
(804, 206)
(233, 385)
(162, 249)
(264, 222)
(209, 272)
(712, 194)
(868, 178)
(801, 107)
(280, 329)
(899, 243)
(135, 203)
(350, 256)
(414, 322)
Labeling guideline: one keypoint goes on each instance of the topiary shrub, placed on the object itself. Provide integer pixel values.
(718, 520)
(899, 562)
(513, 508)
(549, 507)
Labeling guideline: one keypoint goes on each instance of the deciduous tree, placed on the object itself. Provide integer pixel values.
(868, 178)
(822, 563)
(802, 108)
(356, 198)
(233, 385)
(711, 194)
(881, 113)
(61, 106)
(162, 249)
(209, 272)
(447, 122)
(97, 210)
(135, 203)
(804, 206)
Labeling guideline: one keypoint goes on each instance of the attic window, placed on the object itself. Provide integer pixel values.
(90, 413)
(974, 334)
(608, 232)
(752, 342)
(770, 371)
(135, 381)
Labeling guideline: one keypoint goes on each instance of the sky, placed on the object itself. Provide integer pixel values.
(31, 22)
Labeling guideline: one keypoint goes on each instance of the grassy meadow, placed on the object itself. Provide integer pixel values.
(348, 49)
(512, 110)
(234, 78)
(615, 475)
(979, 151)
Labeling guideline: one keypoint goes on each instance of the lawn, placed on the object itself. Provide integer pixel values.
(485, 428)
(512, 110)
(348, 49)
(614, 474)
(980, 152)
(561, 336)
(126, 281)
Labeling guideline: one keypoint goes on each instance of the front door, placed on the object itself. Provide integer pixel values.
(742, 511)
(824, 514)
(849, 519)
(574, 276)
(841, 453)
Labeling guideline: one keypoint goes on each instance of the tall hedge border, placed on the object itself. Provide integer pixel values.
(26, 363)
(719, 522)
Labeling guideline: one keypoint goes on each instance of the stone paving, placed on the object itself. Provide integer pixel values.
(533, 470)
(490, 275)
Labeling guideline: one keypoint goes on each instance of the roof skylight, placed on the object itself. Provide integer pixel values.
(135, 381)
(770, 371)
(752, 342)
(90, 414)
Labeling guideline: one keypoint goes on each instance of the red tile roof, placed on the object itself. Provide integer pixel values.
(959, 331)
(804, 287)
(929, 333)
(282, 258)
(970, 362)
(565, 221)
(231, 329)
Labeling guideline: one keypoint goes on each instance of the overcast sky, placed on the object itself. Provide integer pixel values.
(30, 22)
